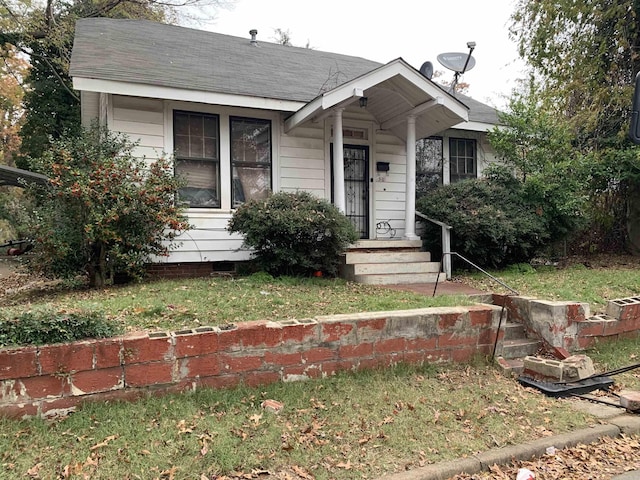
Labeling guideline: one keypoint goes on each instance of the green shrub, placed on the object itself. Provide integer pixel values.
(105, 211)
(46, 325)
(294, 233)
(495, 223)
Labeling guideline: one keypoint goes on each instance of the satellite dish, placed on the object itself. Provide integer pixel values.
(427, 69)
(458, 62)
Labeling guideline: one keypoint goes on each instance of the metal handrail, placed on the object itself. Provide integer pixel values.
(446, 242)
(515, 292)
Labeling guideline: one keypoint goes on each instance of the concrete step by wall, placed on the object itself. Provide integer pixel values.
(515, 344)
(518, 348)
(514, 331)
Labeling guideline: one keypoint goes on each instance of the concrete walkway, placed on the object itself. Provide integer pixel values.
(442, 288)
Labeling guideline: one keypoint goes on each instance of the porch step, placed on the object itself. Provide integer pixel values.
(385, 256)
(386, 244)
(383, 268)
(399, 278)
(389, 262)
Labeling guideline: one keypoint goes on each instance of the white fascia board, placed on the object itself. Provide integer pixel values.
(475, 126)
(303, 114)
(169, 93)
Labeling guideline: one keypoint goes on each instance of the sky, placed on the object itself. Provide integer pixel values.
(416, 30)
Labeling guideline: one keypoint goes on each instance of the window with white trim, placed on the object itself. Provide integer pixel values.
(196, 141)
(250, 159)
(462, 159)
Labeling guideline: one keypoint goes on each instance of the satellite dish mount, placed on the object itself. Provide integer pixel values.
(458, 62)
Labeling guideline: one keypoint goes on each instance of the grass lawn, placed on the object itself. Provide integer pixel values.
(360, 425)
(177, 304)
(352, 425)
(594, 281)
(348, 426)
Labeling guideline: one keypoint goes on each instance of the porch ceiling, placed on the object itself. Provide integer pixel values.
(394, 92)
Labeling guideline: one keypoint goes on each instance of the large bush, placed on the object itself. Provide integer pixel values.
(294, 233)
(105, 211)
(496, 221)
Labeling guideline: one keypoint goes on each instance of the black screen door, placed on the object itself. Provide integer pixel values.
(356, 187)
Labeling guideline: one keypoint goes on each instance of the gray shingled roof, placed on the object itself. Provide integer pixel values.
(145, 52)
(141, 51)
(478, 111)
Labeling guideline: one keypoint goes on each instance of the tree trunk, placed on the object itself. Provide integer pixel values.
(98, 267)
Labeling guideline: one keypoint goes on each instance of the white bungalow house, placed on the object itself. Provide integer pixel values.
(243, 118)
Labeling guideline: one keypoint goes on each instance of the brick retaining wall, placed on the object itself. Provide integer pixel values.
(54, 379)
(569, 325)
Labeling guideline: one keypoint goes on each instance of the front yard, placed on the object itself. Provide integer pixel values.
(351, 425)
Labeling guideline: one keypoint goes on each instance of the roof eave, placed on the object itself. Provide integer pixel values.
(179, 94)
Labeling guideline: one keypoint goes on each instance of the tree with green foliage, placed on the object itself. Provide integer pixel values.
(294, 233)
(537, 148)
(43, 32)
(585, 55)
(105, 212)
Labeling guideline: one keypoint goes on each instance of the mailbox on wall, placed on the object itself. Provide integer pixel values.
(382, 166)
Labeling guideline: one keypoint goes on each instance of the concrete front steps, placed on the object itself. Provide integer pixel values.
(515, 345)
(389, 262)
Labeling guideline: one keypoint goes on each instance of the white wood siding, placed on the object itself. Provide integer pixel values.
(389, 187)
(302, 161)
(89, 107)
(142, 119)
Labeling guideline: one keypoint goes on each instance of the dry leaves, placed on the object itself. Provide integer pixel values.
(597, 461)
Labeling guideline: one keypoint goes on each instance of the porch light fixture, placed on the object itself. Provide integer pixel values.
(363, 102)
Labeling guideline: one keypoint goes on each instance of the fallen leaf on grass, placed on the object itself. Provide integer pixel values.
(169, 474)
(103, 443)
(33, 472)
(301, 472)
(255, 418)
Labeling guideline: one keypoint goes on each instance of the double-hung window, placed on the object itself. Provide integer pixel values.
(462, 159)
(250, 159)
(197, 158)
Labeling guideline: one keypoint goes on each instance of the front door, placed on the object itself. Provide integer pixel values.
(356, 187)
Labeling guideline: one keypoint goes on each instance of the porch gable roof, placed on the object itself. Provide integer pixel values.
(393, 92)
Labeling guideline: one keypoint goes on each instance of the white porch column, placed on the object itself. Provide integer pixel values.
(410, 201)
(338, 162)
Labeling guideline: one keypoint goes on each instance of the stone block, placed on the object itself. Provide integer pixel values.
(630, 400)
(543, 368)
(576, 368)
